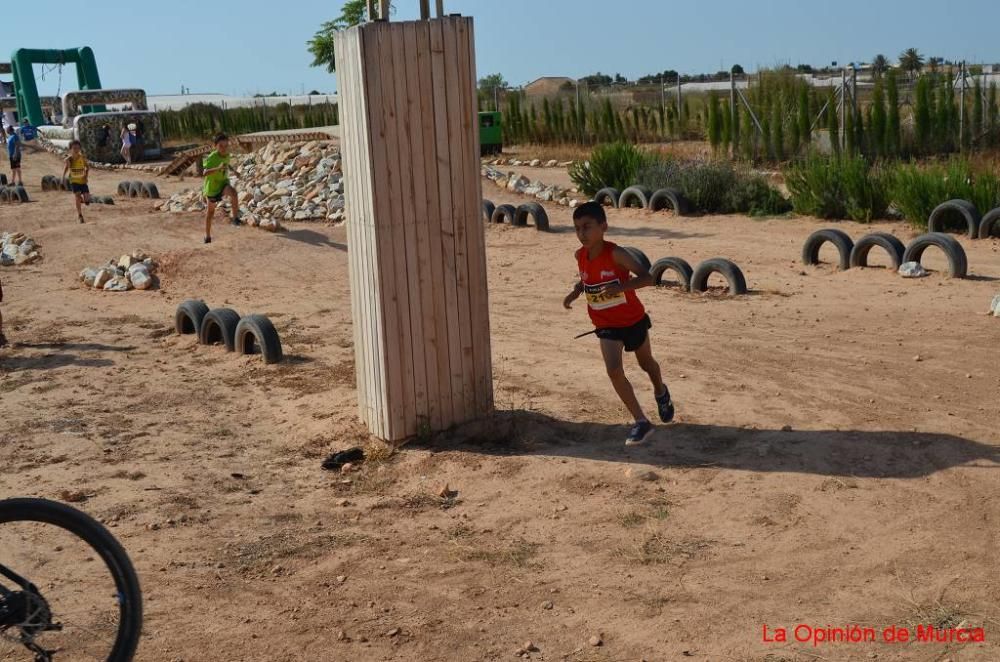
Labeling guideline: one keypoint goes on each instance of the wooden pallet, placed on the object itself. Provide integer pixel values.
(417, 259)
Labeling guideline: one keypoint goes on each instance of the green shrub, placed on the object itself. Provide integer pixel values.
(917, 190)
(838, 187)
(715, 187)
(615, 164)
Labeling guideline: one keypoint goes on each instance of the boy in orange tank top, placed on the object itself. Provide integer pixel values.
(619, 317)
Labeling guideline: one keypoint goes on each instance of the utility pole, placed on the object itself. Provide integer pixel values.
(383, 10)
(440, 8)
(663, 97)
(680, 108)
(732, 109)
(961, 105)
(371, 10)
(843, 99)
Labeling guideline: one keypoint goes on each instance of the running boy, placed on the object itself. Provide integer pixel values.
(14, 154)
(79, 171)
(621, 320)
(217, 184)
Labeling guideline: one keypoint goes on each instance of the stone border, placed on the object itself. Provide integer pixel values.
(516, 183)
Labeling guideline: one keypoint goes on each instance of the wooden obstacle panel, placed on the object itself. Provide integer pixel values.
(417, 256)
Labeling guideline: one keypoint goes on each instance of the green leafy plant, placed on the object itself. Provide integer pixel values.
(917, 189)
(715, 187)
(615, 164)
(838, 187)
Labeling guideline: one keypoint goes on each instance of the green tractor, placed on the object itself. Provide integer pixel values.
(490, 133)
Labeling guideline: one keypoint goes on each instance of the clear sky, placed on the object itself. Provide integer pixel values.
(248, 46)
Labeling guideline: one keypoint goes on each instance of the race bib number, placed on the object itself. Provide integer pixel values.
(599, 301)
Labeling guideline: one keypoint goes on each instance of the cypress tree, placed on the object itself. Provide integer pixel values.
(714, 126)
(977, 111)
(804, 121)
(727, 129)
(893, 137)
(992, 113)
(766, 147)
(850, 136)
(922, 116)
(877, 127)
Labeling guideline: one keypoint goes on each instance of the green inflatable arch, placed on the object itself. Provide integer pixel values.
(25, 88)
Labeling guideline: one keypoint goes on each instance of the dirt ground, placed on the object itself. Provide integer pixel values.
(818, 473)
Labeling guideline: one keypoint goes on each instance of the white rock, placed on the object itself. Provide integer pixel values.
(535, 163)
(574, 203)
(140, 277)
(10, 250)
(551, 164)
(912, 270)
(995, 306)
(118, 284)
(26, 247)
(87, 276)
(102, 276)
(27, 259)
(564, 201)
(126, 261)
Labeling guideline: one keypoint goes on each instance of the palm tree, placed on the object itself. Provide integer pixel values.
(911, 61)
(880, 65)
(935, 64)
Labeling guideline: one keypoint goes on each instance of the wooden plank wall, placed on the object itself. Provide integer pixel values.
(410, 143)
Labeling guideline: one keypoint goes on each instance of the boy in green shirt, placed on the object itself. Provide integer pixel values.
(217, 186)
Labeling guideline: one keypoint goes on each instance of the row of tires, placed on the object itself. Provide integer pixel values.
(517, 216)
(13, 194)
(696, 279)
(53, 183)
(245, 334)
(136, 189)
(644, 198)
(981, 227)
(856, 254)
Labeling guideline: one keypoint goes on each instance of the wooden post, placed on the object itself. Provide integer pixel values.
(425, 9)
(383, 10)
(371, 10)
(417, 257)
(440, 8)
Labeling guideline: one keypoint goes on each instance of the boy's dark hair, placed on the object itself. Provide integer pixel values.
(76, 143)
(594, 210)
(219, 137)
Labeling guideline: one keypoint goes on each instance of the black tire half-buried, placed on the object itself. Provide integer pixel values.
(963, 208)
(536, 212)
(219, 325)
(843, 243)
(189, 315)
(610, 194)
(257, 330)
(719, 265)
(958, 265)
(678, 265)
(892, 245)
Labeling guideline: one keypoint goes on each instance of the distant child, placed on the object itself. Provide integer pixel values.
(217, 186)
(622, 323)
(14, 154)
(79, 171)
(128, 139)
(3, 338)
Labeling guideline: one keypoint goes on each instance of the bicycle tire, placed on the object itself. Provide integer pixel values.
(111, 552)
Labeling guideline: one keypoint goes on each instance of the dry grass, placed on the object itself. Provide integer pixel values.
(517, 553)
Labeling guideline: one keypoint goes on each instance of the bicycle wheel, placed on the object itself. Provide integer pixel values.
(56, 601)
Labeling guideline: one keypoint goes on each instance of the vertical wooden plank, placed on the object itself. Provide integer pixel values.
(358, 182)
(369, 255)
(449, 279)
(380, 256)
(425, 353)
(407, 274)
(392, 243)
(476, 251)
(432, 232)
(459, 211)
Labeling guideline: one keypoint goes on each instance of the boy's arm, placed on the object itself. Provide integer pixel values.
(65, 166)
(571, 297)
(642, 276)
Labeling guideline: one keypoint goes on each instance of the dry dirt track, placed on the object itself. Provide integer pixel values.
(878, 507)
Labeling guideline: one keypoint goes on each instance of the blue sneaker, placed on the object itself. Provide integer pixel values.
(637, 435)
(665, 406)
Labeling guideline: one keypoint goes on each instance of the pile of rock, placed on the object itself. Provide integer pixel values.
(533, 163)
(17, 248)
(281, 182)
(520, 184)
(135, 271)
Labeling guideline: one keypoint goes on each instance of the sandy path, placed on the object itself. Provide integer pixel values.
(878, 507)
